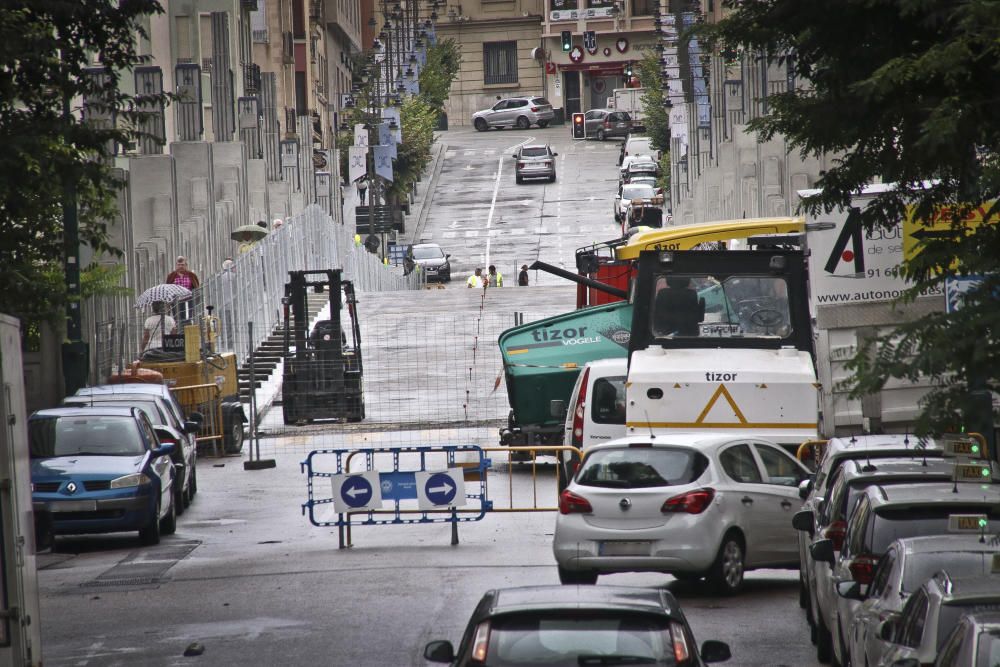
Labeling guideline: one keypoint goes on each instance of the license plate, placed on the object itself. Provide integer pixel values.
(73, 506)
(625, 548)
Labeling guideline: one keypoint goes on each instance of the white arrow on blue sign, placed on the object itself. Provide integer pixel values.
(357, 493)
(440, 489)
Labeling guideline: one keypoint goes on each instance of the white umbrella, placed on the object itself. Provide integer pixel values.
(166, 293)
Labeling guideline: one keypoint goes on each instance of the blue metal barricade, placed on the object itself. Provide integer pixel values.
(405, 485)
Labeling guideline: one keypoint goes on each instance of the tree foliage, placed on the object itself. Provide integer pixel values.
(46, 49)
(444, 58)
(655, 112)
(902, 91)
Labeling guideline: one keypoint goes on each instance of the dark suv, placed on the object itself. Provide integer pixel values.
(604, 123)
(520, 112)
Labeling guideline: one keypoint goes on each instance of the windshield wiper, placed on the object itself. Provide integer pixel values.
(615, 660)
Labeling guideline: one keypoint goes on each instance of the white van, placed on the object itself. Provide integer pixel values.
(596, 410)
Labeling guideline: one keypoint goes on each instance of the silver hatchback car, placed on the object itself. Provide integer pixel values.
(692, 505)
(519, 112)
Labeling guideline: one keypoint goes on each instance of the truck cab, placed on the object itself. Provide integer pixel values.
(721, 341)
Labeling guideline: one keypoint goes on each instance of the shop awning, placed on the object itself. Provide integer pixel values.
(595, 68)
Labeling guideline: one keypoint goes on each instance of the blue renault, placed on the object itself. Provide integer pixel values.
(101, 470)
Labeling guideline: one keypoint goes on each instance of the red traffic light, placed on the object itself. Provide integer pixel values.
(577, 118)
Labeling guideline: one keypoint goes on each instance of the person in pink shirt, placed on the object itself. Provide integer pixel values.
(183, 276)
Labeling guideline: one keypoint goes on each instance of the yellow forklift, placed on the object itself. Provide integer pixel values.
(205, 383)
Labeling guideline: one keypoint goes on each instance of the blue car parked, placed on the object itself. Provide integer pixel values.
(101, 470)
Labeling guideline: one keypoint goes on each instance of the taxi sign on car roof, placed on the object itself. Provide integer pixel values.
(968, 523)
(973, 472)
(962, 446)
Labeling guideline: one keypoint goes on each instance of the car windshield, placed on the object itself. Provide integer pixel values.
(535, 151)
(892, 523)
(641, 467)
(427, 252)
(571, 640)
(637, 191)
(82, 435)
(150, 408)
(738, 307)
(921, 567)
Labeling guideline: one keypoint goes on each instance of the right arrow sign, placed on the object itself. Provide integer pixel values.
(438, 490)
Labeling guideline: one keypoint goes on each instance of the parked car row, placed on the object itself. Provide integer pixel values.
(114, 458)
(894, 550)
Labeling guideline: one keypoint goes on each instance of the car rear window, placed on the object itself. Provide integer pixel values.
(83, 435)
(541, 101)
(637, 191)
(620, 115)
(574, 639)
(950, 614)
(891, 523)
(150, 408)
(921, 566)
(537, 151)
(608, 406)
(641, 467)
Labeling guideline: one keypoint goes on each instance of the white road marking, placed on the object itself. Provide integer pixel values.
(496, 189)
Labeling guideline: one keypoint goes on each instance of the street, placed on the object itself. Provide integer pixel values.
(247, 580)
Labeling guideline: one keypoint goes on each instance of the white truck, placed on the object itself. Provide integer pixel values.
(630, 100)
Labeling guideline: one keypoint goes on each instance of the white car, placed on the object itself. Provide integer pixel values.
(882, 515)
(692, 505)
(628, 193)
(906, 565)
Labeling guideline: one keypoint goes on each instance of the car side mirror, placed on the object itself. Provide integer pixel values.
(715, 651)
(514, 155)
(803, 520)
(887, 629)
(850, 590)
(196, 417)
(557, 408)
(822, 551)
(165, 449)
(439, 651)
(191, 427)
(805, 488)
(554, 154)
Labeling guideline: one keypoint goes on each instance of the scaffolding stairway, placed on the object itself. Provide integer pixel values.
(269, 352)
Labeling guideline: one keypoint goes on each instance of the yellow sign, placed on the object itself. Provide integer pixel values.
(915, 232)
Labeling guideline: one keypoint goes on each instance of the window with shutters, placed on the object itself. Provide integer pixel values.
(500, 62)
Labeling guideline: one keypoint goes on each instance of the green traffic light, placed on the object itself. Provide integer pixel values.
(975, 449)
(982, 523)
(986, 472)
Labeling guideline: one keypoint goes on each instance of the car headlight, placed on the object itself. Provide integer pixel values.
(128, 481)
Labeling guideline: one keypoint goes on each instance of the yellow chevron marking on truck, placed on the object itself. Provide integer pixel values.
(721, 391)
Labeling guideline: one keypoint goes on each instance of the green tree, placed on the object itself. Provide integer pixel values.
(46, 50)
(655, 111)
(444, 59)
(901, 91)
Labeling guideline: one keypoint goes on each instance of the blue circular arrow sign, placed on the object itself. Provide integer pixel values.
(440, 488)
(356, 491)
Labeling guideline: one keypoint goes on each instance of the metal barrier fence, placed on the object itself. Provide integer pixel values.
(422, 485)
(248, 291)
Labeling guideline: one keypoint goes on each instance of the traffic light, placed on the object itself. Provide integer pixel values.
(567, 41)
(628, 70)
(579, 130)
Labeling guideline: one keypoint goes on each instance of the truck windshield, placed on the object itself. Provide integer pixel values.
(738, 307)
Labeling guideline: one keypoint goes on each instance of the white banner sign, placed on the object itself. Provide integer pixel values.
(357, 162)
(360, 135)
(383, 162)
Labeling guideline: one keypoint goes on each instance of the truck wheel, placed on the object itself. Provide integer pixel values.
(233, 444)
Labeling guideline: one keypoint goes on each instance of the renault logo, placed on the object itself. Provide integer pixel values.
(624, 503)
(71, 487)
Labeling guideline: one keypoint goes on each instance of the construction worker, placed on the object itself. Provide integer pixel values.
(494, 279)
(476, 279)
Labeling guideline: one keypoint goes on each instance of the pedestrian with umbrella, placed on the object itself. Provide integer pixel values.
(248, 236)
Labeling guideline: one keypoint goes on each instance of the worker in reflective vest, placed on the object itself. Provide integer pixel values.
(495, 279)
(476, 279)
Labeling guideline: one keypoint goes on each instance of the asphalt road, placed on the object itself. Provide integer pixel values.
(248, 580)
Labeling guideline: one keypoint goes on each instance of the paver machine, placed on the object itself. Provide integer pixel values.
(323, 374)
